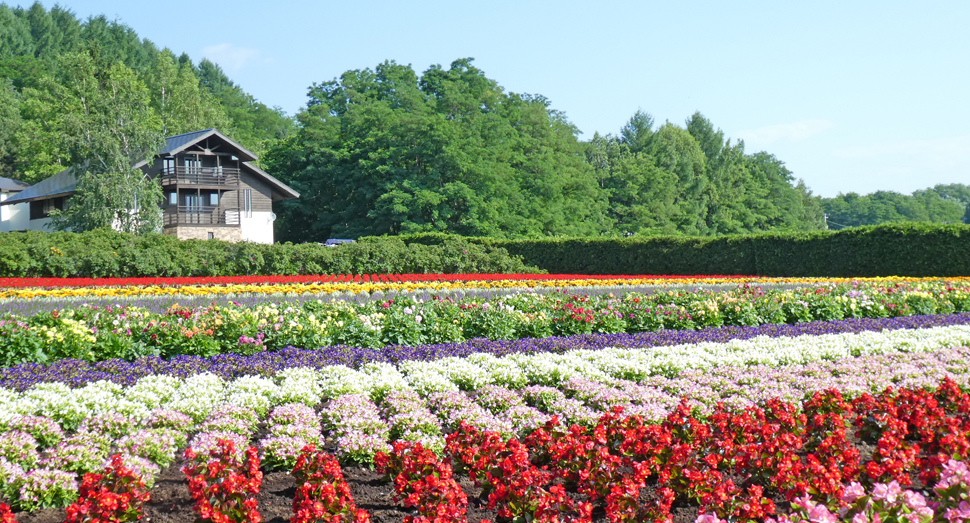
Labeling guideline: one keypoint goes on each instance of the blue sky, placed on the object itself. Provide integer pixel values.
(853, 95)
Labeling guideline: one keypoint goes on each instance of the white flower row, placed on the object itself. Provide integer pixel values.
(199, 395)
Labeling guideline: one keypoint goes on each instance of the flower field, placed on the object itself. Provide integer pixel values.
(483, 398)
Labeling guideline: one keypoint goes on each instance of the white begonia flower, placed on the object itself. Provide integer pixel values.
(154, 391)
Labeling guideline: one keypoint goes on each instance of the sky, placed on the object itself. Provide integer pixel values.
(853, 95)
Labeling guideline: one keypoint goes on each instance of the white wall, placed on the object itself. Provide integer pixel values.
(258, 229)
(38, 225)
(13, 217)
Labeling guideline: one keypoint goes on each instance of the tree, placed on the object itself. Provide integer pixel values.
(178, 99)
(10, 123)
(641, 195)
(15, 38)
(43, 31)
(677, 152)
(637, 131)
(386, 151)
(111, 128)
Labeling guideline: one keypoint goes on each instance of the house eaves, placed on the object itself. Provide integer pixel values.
(61, 184)
(280, 187)
(11, 185)
(180, 142)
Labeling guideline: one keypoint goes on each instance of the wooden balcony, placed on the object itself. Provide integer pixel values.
(200, 176)
(205, 215)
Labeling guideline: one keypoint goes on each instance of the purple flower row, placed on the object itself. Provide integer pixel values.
(77, 373)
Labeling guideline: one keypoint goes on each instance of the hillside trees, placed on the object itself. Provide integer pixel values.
(692, 180)
(33, 42)
(388, 151)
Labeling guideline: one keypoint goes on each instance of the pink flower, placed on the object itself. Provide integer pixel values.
(914, 500)
(889, 493)
(820, 514)
(853, 492)
(959, 514)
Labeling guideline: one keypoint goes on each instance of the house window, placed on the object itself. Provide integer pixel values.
(214, 199)
(193, 165)
(168, 165)
(193, 202)
(173, 198)
(40, 209)
(248, 202)
(212, 235)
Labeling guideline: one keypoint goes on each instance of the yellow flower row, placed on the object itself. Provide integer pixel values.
(371, 287)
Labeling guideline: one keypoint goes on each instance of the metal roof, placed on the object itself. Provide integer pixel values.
(64, 183)
(180, 142)
(61, 184)
(11, 185)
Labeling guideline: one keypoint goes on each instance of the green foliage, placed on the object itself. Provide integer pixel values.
(104, 253)
(940, 204)
(109, 128)
(34, 44)
(385, 151)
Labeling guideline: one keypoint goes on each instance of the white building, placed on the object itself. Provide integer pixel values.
(212, 191)
(12, 217)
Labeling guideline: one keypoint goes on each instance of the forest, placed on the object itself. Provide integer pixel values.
(389, 150)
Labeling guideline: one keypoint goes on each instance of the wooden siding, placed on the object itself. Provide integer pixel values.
(262, 194)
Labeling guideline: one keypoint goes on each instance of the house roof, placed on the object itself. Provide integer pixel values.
(10, 185)
(61, 184)
(180, 142)
(280, 186)
(64, 183)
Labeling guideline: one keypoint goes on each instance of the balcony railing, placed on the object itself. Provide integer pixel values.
(199, 176)
(205, 215)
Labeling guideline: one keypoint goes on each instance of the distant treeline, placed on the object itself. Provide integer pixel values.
(940, 204)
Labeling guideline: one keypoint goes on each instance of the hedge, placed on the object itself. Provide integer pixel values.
(884, 250)
(107, 253)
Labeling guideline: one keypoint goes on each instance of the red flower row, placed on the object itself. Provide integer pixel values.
(723, 463)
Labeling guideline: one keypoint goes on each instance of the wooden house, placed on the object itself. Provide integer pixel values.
(212, 190)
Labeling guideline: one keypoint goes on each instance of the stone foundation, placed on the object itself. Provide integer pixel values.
(229, 234)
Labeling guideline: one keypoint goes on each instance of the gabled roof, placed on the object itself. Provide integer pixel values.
(64, 183)
(180, 142)
(61, 184)
(11, 185)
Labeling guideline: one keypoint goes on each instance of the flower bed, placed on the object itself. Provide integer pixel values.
(94, 333)
(826, 455)
(731, 420)
(78, 373)
(32, 288)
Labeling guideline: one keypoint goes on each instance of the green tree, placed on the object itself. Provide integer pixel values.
(178, 99)
(15, 37)
(677, 152)
(43, 32)
(10, 123)
(637, 132)
(110, 128)
(385, 151)
(642, 196)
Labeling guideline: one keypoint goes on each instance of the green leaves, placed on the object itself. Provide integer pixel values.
(386, 151)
